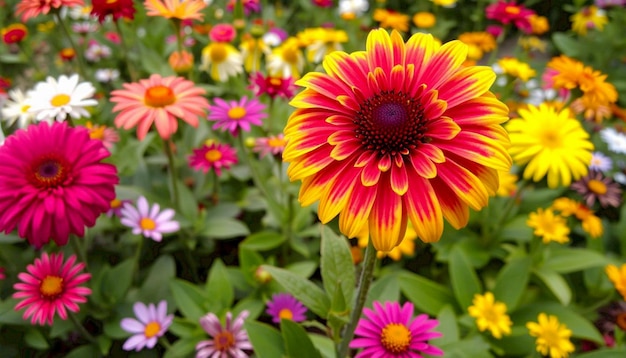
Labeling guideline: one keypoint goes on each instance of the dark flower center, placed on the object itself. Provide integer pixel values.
(620, 320)
(49, 172)
(224, 341)
(390, 122)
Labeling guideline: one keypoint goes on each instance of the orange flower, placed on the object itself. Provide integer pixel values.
(177, 9)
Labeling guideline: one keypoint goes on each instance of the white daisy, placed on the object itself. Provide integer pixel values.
(55, 100)
(615, 140)
(353, 7)
(221, 60)
(16, 109)
(106, 75)
(286, 60)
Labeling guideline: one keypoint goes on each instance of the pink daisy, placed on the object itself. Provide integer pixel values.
(222, 33)
(53, 182)
(159, 100)
(272, 86)
(285, 306)
(391, 331)
(116, 207)
(152, 322)
(148, 220)
(214, 156)
(51, 286)
(235, 115)
(273, 144)
(228, 341)
(510, 12)
(107, 135)
(34, 8)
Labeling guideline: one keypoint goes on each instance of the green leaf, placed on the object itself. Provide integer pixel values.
(465, 283)
(189, 299)
(567, 44)
(249, 262)
(253, 305)
(511, 281)
(303, 268)
(566, 260)
(182, 348)
(304, 290)
(473, 347)
(224, 228)
(263, 241)
(604, 353)
(336, 265)
(34, 338)
(386, 288)
(324, 344)
(555, 283)
(162, 270)
(580, 326)
(219, 289)
(117, 281)
(297, 342)
(447, 326)
(426, 295)
(266, 340)
(188, 203)
(8, 314)
(84, 351)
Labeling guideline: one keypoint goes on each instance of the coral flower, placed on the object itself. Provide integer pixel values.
(285, 306)
(552, 143)
(490, 315)
(392, 331)
(399, 132)
(214, 156)
(229, 340)
(51, 286)
(34, 8)
(53, 183)
(234, 116)
(176, 9)
(159, 100)
(553, 337)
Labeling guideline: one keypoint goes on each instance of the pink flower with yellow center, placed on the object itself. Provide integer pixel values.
(51, 286)
(285, 306)
(234, 116)
(274, 144)
(158, 100)
(212, 155)
(507, 12)
(152, 322)
(399, 132)
(148, 220)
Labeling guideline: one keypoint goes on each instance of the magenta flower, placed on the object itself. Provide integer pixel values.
(236, 115)
(507, 12)
(391, 331)
(51, 286)
(274, 144)
(53, 182)
(285, 306)
(228, 341)
(2, 274)
(222, 33)
(152, 322)
(272, 86)
(214, 156)
(147, 220)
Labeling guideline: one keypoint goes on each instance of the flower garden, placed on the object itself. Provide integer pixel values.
(312, 178)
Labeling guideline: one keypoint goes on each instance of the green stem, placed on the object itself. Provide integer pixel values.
(138, 258)
(83, 331)
(79, 54)
(173, 173)
(129, 65)
(79, 249)
(364, 285)
(165, 343)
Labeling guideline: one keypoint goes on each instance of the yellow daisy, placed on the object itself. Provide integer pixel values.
(507, 183)
(552, 143)
(588, 18)
(516, 68)
(553, 337)
(617, 275)
(286, 60)
(392, 20)
(221, 60)
(321, 41)
(490, 315)
(548, 226)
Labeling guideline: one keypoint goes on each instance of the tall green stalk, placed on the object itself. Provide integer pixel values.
(79, 54)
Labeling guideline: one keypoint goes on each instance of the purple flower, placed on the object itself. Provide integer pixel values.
(595, 186)
(235, 115)
(152, 322)
(284, 305)
(148, 220)
(391, 331)
(600, 162)
(228, 341)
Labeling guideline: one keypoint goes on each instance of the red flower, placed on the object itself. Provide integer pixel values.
(118, 8)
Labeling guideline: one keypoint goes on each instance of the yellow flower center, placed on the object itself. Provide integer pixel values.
(290, 55)
(213, 155)
(159, 96)
(395, 338)
(51, 286)
(550, 139)
(286, 314)
(147, 224)
(275, 81)
(152, 329)
(24, 108)
(512, 10)
(97, 132)
(218, 53)
(60, 100)
(597, 187)
(276, 142)
(116, 203)
(223, 341)
(111, 1)
(236, 112)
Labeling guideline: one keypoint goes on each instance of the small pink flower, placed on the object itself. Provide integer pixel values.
(270, 145)
(285, 306)
(213, 156)
(152, 322)
(235, 115)
(229, 340)
(51, 286)
(272, 86)
(147, 220)
(222, 33)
